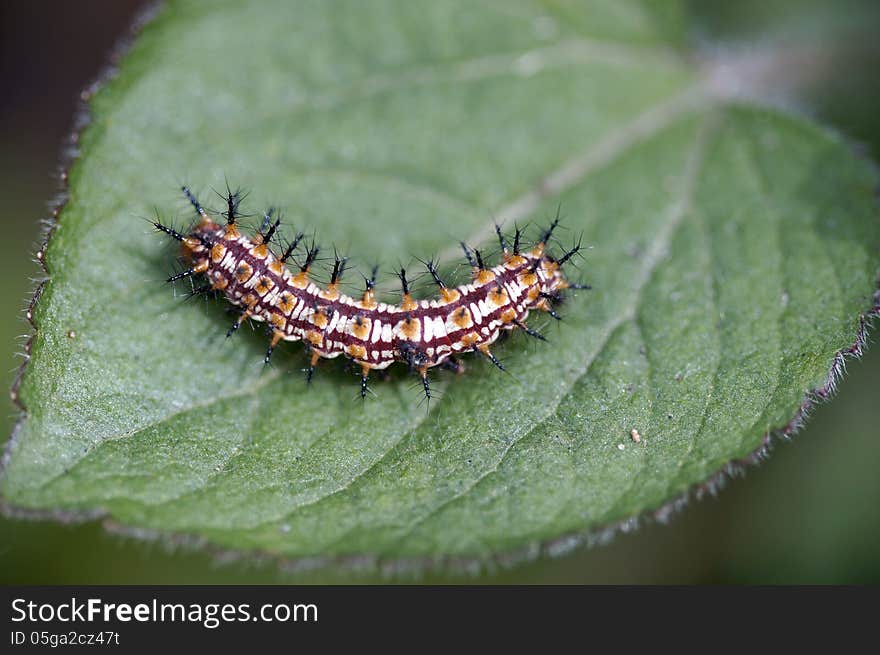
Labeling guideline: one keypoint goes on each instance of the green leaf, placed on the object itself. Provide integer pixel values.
(733, 255)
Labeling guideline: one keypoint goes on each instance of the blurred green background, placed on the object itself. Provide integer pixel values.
(807, 515)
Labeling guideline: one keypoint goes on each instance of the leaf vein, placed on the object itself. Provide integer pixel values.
(653, 257)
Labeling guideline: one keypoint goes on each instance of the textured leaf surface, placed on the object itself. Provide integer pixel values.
(733, 250)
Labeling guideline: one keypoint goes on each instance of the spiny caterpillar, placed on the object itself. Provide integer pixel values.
(420, 333)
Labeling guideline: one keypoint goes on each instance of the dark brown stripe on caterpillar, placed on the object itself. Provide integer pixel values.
(420, 333)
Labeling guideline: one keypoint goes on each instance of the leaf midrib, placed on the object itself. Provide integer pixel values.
(653, 257)
(644, 126)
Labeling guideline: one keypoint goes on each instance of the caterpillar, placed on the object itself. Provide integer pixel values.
(419, 333)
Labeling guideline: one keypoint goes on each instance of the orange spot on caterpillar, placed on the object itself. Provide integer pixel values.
(410, 328)
(484, 276)
(331, 293)
(369, 300)
(319, 319)
(421, 334)
(527, 279)
(278, 321)
(360, 327)
(243, 272)
(498, 296)
(300, 280)
(285, 303)
(264, 286)
(408, 304)
(461, 318)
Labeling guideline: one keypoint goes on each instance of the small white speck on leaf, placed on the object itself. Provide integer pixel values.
(528, 64)
(620, 446)
(349, 151)
(546, 27)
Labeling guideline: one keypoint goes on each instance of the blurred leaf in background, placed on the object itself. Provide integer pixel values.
(815, 549)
